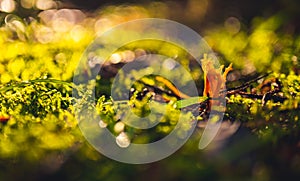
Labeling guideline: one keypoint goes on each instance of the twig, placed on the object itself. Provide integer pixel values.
(268, 96)
(243, 86)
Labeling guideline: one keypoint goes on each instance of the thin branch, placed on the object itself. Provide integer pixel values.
(245, 85)
(265, 97)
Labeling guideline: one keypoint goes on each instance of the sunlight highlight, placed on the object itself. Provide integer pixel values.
(7, 6)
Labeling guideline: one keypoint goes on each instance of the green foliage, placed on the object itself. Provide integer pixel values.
(265, 48)
(273, 119)
(190, 101)
(37, 66)
(40, 118)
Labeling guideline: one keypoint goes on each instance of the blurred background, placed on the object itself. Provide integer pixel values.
(48, 36)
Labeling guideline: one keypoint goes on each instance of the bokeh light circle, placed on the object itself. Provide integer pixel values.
(101, 51)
